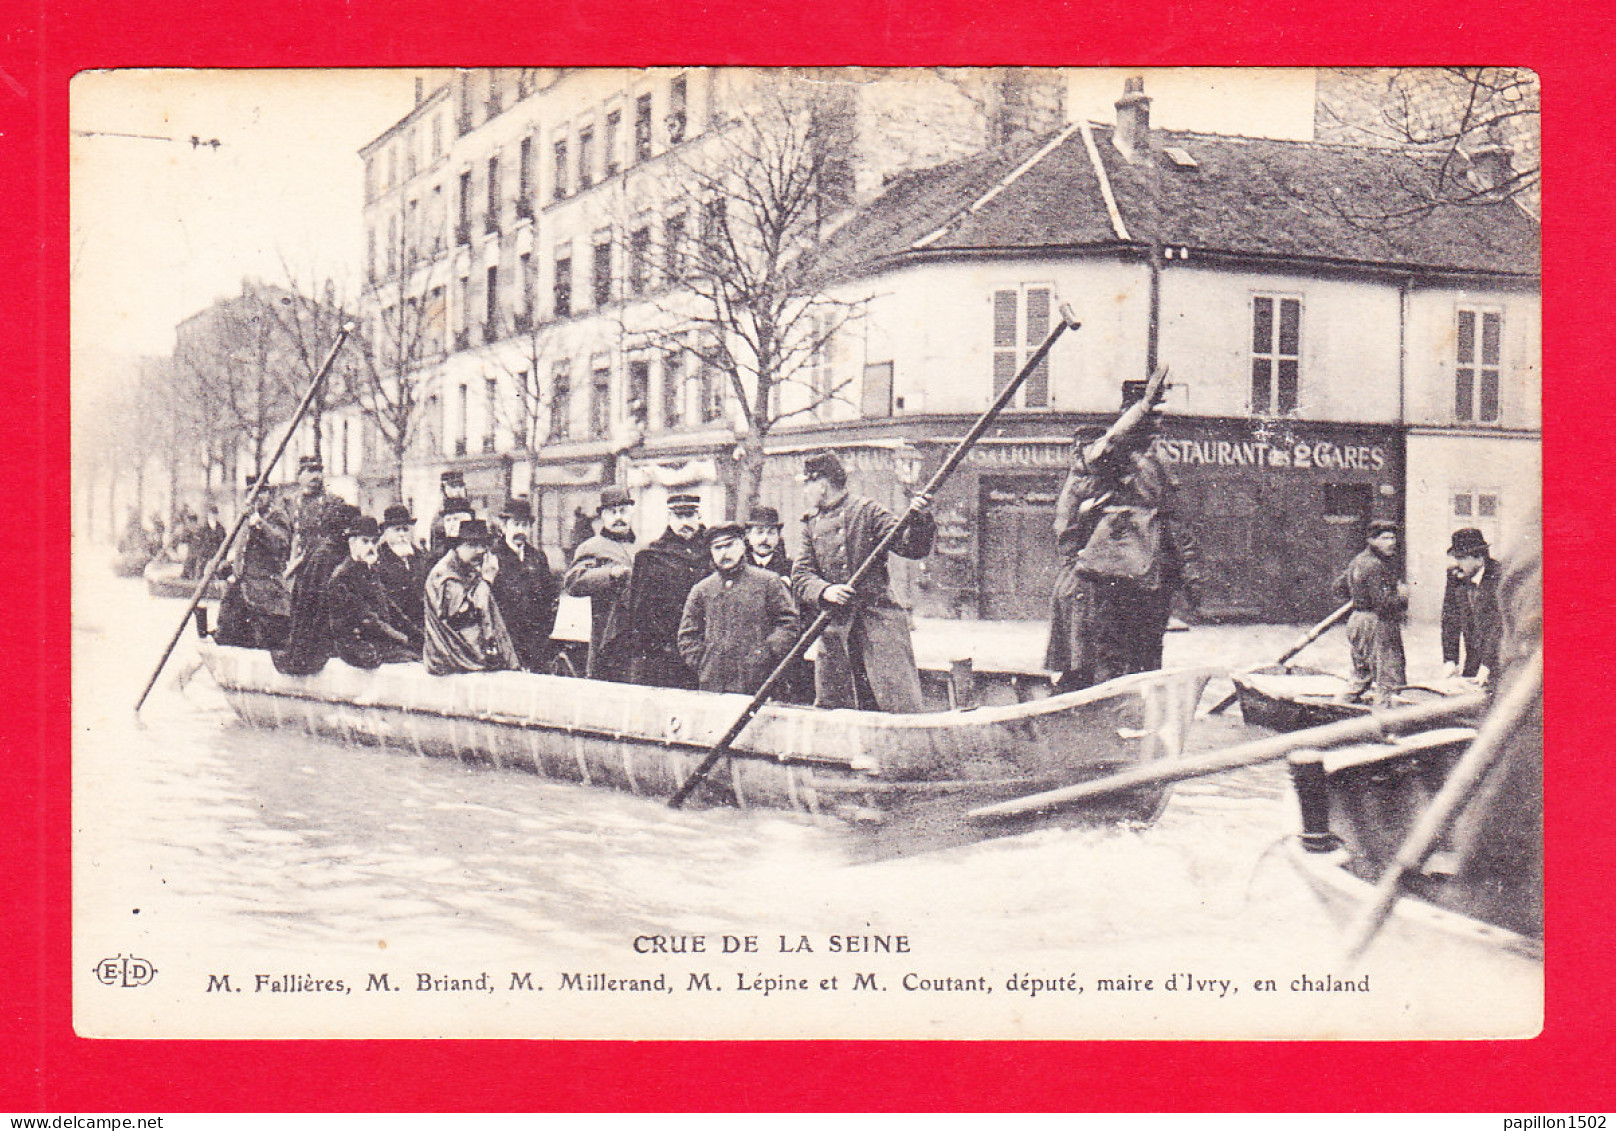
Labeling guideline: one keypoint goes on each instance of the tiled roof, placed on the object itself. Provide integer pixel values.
(1245, 196)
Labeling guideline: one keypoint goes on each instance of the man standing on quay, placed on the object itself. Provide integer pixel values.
(525, 589)
(600, 570)
(866, 658)
(664, 574)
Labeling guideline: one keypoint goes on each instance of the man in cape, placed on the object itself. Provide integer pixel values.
(308, 642)
(367, 631)
(600, 570)
(525, 589)
(257, 605)
(464, 629)
(664, 574)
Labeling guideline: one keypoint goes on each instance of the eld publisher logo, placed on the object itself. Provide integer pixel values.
(124, 970)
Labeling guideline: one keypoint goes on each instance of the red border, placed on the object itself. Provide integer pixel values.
(44, 1067)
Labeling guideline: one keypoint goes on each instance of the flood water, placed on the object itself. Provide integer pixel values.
(203, 845)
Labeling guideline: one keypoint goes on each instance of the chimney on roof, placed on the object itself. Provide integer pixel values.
(1133, 120)
(420, 90)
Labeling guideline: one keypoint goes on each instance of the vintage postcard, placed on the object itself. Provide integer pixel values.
(694, 553)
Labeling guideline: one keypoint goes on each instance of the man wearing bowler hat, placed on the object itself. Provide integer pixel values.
(525, 589)
(738, 621)
(367, 631)
(663, 576)
(464, 629)
(402, 569)
(866, 658)
(1374, 630)
(455, 509)
(1471, 625)
(766, 550)
(600, 570)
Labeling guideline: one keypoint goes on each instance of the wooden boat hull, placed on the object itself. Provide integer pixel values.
(648, 740)
(1296, 698)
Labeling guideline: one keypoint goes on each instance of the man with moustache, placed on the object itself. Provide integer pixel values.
(766, 550)
(525, 589)
(312, 515)
(464, 629)
(367, 631)
(402, 567)
(663, 575)
(1471, 622)
(455, 509)
(739, 621)
(600, 570)
(1374, 630)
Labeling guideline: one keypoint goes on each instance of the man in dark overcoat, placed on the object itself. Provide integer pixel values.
(664, 574)
(765, 549)
(1374, 629)
(257, 605)
(367, 630)
(866, 658)
(738, 621)
(401, 566)
(313, 514)
(308, 640)
(1471, 623)
(525, 588)
(464, 629)
(600, 570)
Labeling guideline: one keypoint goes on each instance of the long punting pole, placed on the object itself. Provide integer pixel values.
(1490, 745)
(1068, 321)
(1307, 638)
(246, 511)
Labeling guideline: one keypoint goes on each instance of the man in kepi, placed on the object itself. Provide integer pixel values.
(664, 574)
(367, 631)
(464, 629)
(865, 657)
(738, 622)
(525, 589)
(600, 570)
(401, 567)
(1470, 613)
(1374, 631)
(312, 516)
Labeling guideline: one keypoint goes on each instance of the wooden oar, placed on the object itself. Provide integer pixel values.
(1456, 792)
(1303, 641)
(1374, 725)
(246, 511)
(1068, 321)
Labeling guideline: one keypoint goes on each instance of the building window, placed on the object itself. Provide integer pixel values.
(490, 401)
(412, 235)
(433, 330)
(673, 240)
(1276, 353)
(524, 179)
(1479, 508)
(463, 107)
(639, 260)
(491, 215)
(1475, 373)
(561, 401)
(603, 272)
(820, 368)
(639, 392)
(586, 157)
(496, 94)
(463, 222)
(1020, 325)
(608, 143)
(600, 401)
(429, 426)
(462, 310)
(410, 145)
(678, 93)
(559, 191)
(434, 219)
(524, 316)
(712, 392)
(370, 254)
(464, 402)
(491, 306)
(715, 230)
(673, 389)
(563, 287)
(642, 128)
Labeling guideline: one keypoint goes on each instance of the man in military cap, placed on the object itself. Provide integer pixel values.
(1374, 629)
(464, 629)
(367, 630)
(738, 621)
(866, 658)
(1471, 623)
(455, 509)
(600, 570)
(525, 588)
(402, 568)
(663, 575)
(312, 516)
(257, 605)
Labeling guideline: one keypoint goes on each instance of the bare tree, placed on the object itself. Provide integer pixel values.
(1477, 130)
(745, 293)
(308, 318)
(524, 362)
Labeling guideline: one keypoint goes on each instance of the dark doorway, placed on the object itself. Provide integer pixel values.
(1018, 545)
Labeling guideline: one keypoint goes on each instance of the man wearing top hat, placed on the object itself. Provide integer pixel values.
(455, 509)
(525, 589)
(1471, 623)
(464, 629)
(257, 604)
(312, 514)
(664, 573)
(401, 567)
(1374, 629)
(600, 570)
(367, 630)
(866, 658)
(738, 621)
(308, 639)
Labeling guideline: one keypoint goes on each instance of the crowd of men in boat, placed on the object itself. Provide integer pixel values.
(718, 608)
